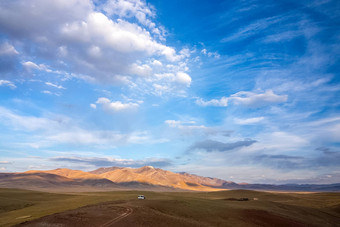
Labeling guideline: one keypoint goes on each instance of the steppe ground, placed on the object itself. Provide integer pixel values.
(223, 208)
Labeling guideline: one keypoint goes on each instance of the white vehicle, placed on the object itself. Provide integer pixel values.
(141, 197)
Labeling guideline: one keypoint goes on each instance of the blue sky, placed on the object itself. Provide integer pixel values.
(246, 91)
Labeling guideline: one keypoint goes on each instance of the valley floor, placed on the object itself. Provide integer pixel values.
(122, 208)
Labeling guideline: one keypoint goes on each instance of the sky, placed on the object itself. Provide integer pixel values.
(245, 91)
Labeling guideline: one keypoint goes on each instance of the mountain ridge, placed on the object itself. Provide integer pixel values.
(143, 178)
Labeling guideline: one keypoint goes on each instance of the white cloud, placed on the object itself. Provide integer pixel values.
(130, 8)
(79, 136)
(111, 48)
(214, 54)
(121, 36)
(95, 52)
(7, 49)
(252, 99)
(187, 127)
(93, 106)
(166, 76)
(141, 70)
(28, 65)
(5, 162)
(210, 54)
(248, 121)
(185, 52)
(171, 81)
(28, 123)
(157, 63)
(176, 124)
(32, 19)
(117, 105)
(183, 78)
(246, 98)
(161, 89)
(47, 92)
(7, 83)
(54, 85)
(50, 93)
(214, 102)
(191, 127)
(180, 78)
(55, 130)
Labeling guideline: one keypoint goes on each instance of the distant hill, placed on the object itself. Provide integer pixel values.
(144, 178)
(40, 180)
(156, 176)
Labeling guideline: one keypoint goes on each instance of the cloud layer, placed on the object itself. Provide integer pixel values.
(211, 145)
(77, 37)
(103, 162)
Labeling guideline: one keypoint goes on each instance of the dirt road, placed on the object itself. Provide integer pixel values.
(102, 215)
(128, 211)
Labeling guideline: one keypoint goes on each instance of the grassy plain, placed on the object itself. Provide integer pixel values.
(180, 208)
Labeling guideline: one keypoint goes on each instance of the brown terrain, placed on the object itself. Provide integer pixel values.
(103, 215)
(109, 214)
(108, 197)
(224, 208)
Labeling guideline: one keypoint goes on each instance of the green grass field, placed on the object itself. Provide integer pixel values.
(183, 208)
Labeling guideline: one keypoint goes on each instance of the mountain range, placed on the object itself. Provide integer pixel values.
(144, 178)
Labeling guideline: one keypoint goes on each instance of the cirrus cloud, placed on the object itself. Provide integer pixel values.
(106, 161)
(248, 121)
(7, 83)
(246, 98)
